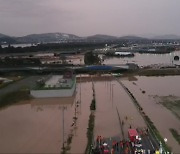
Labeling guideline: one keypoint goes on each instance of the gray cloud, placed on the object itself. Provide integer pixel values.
(87, 17)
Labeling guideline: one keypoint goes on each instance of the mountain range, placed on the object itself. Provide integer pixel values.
(60, 37)
(170, 36)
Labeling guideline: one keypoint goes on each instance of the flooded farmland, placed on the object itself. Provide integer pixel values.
(145, 59)
(140, 59)
(147, 90)
(36, 126)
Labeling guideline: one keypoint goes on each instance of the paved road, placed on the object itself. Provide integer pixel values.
(27, 82)
(148, 141)
(148, 145)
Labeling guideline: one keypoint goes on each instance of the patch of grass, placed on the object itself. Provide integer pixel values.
(67, 147)
(14, 79)
(14, 97)
(159, 72)
(69, 140)
(90, 132)
(93, 102)
(2, 85)
(93, 105)
(172, 105)
(175, 134)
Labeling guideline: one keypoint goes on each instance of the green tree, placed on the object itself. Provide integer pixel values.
(90, 58)
(63, 59)
(1, 49)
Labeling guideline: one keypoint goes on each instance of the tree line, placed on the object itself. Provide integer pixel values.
(52, 46)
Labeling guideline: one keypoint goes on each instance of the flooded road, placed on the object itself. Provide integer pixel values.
(163, 118)
(111, 100)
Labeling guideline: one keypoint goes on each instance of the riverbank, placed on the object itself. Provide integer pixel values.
(12, 80)
(14, 97)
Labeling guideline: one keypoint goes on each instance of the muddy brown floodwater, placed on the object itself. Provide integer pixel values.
(163, 118)
(36, 126)
(110, 97)
(33, 127)
(79, 141)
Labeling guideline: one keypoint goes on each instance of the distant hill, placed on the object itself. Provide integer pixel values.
(2, 35)
(61, 37)
(6, 39)
(167, 37)
(131, 38)
(47, 37)
(101, 37)
(58, 37)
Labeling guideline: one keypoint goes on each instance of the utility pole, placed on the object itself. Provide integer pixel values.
(80, 87)
(112, 93)
(110, 89)
(63, 125)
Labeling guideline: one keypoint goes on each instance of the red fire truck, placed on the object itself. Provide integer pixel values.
(134, 138)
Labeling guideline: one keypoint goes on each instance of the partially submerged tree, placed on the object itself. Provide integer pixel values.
(90, 58)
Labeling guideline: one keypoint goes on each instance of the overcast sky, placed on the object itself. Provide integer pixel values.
(89, 17)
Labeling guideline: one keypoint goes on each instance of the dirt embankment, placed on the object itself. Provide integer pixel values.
(158, 72)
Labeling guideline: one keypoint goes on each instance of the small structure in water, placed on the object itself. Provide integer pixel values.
(124, 54)
(56, 86)
(120, 54)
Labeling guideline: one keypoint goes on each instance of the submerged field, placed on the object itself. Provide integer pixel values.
(171, 102)
(159, 98)
(36, 125)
